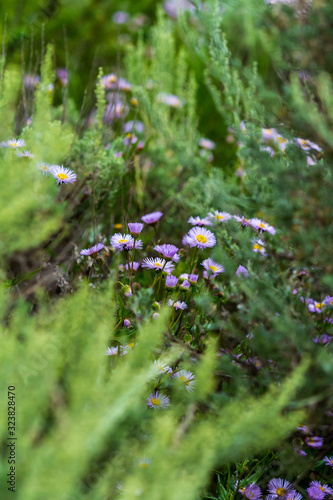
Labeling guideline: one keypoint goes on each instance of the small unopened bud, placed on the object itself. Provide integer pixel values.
(127, 323)
(155, 316)
(127, 291)
(157, 306)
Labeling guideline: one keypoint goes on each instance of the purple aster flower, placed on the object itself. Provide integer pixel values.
(135, 227)
(158, 264)
(135, 243)
(304, 428)
(242, 220)
(316, 307)
(62, 174)
(269, 134)
(176, 257)
(322, 339)
(127, 323)
(315, 493)
(62, 74)
(314, 441)
(185, 285)
(201, 237)
(212, 267)
(183, 277)
(121, 242)
(220, 216)
(177, 305)
(207, 143)
(130, 139)
(171, 100)
(136, 265)
(262, 226)
(307, 145)
(328, 300)
(197, 221)
(134, 125)
(268, 150)
(120, 17)
(168, 251)
(193, 278)
(89, 251)
(242, 271)
(252, 491)
(322, 487)
(31, 81)
(152, 218)
(278, 487)
(294, 496)
(108, 81)
(140, 145)
(118, 154)
(328, 461)
(282, 142)
(310, 161)
(171, 281)
(300, 452)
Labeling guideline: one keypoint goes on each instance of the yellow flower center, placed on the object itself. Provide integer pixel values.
(62, 176)
(44, 167)
(262, 225)
(281, 492)
(155, 401)
(118, 226)
(14, 144)
(256, 246)
(131, 344)
(310, 440)
(242, 490)
(123, 240)
(304, 143)
(219, 217)
(144, 465)
(134, 101)
(321, 488)
(129, 135)
(201, 238)
(213, 268)
(157, 264)
(320, 305)
(281, 140)
(112, 79)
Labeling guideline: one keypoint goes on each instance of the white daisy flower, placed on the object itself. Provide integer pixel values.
(197, 221)
(144, 462)
(220, 216)
(259, 246)
(187, 377)
(158, 264)
(212, 266)
(281, 141)
(16, 143)
(62, 174)
(200, 237)
(45, 167)
(111, 351)
(26, 154)
(261, 226)
(158, 400)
